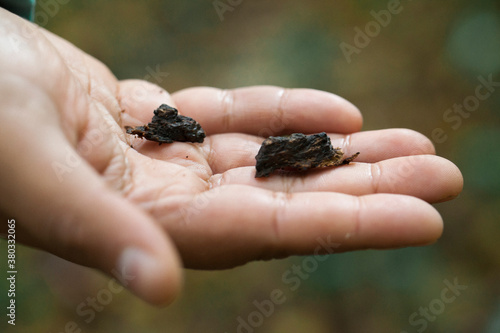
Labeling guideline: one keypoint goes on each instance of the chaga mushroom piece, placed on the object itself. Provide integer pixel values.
(298, 151)
(168, 126)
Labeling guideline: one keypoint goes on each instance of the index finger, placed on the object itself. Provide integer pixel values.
(268, 110)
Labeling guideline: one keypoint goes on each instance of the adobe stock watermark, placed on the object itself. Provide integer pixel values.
(372, 29)
(455, 115)
(11, 271)
(88, 309)
(223, 6)
(46, 10)
(420, 319)
(291, 279)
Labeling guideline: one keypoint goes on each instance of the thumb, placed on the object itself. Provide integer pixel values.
(77, 217)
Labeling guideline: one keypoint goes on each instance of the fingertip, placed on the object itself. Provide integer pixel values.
(428, 177)
(432, 224)
(145, 260)
(154, 277)
(425, 224)
(115, 236)
(398, 220)
(391, 143)
(416, 143)
(455, 184)
(354, 115)
(325, 111)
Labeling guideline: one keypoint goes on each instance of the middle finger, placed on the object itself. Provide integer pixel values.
(228, 151)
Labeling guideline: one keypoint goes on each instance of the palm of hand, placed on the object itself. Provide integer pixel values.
(219, 215)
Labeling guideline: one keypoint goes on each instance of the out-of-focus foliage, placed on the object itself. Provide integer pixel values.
(428, 58)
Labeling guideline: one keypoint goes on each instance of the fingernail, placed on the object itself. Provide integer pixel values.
(134, 267)
(156, 280)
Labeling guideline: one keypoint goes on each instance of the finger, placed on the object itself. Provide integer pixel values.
(138, 99)
(428, 177)
(227, 151)
(231, 225)
(65, 207)
(222, 152)
(265, 110)
(383, 144)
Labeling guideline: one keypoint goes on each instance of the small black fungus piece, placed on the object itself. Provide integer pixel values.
(298, 151)
(168, 126)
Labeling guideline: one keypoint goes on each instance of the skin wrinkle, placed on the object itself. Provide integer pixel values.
(65, 115)
(83, 128)
(117, 162)
(175, 208)
(117, 152)
(128, 139)
(215, 181)
(74, 70)
(360, 204)
(209, 154)
(320, 183)
(342, 144)
(288, 184)
(119, 121)
(374, 176)
(53, 40)
(118, 116)
(89, 79)
(106, 98)
(276, 217)
(115, 94)
(120, 104)
(204, 172)
(153, 203)
(280, 114)
(130, 186)
(346, 144)
(156, 201)
(227, 102)
(127, 172)
(302, 181)
(78, 73)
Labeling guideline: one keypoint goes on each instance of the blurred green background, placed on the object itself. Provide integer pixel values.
(424, 61)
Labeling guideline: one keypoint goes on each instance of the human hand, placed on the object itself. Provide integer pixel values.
(77, 189)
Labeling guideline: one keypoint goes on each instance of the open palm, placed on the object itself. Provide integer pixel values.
(88, 192)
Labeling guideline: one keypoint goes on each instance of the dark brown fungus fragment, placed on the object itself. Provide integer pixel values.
(298, 151)
(168, 126)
